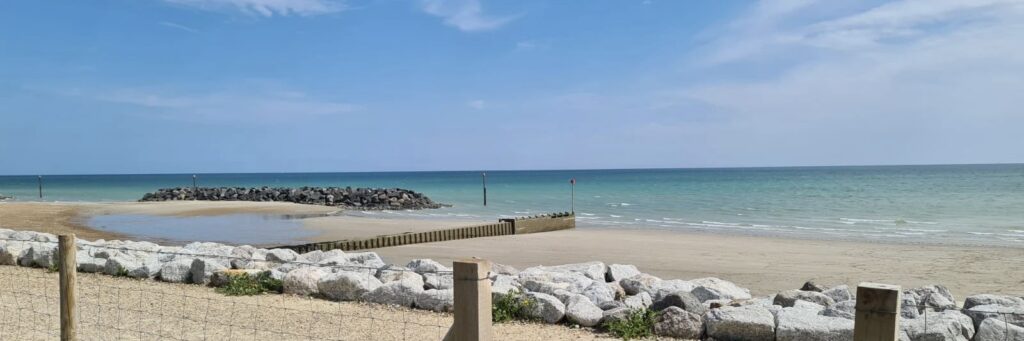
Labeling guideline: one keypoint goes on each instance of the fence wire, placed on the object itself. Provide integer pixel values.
(120, 308)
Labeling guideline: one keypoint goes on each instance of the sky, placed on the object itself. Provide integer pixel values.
(194, 86)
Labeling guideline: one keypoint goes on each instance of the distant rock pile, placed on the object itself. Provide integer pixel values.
(3, 197)
(362, 198)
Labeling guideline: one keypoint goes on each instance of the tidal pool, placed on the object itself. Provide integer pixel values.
(252, 229)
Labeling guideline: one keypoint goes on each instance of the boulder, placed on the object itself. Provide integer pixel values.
(947, 325)
(440, 281)
(392, 273)
(544, 307)
(538, 280)
(148, 267)
(11, 251)
(845, 309)
(436, 300)
(681, 299)
(120, 265)
(789, 297)
(89, 264)
(303, 281)
(176, 271)
(988, 299)
(311, 257)
(281, 255)
(612, 305)
(615, 314)
(593, 270)
(423, 266)
(678, 323)
(992, 329)
(711, 288)
(639, 283)
(908, 307)
(203, 268)
(1013, 314)
(599, 292)
(797, 324)
(839, 293)
(639, 301)
(582, 311)
(502, 269)
(44, 255)
(618, 272)
(811, 286)
(503, 284)
(744, 323)
(668, 287)
(809, 306)
(347, 285)
(934, 297)
(394, 293)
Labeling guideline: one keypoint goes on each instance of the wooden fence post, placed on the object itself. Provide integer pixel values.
(878, 312)
(68, 267)
(472, 301)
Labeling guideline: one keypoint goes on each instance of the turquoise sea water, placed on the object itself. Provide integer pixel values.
(960, 204)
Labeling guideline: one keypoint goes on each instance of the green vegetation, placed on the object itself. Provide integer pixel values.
(512, 306)
(53, 268)
(245, 285)
(637, 325)
(121, 272)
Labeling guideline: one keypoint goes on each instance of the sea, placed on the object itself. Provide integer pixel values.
(938, 204)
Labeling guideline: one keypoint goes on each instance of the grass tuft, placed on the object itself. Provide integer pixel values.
(512, 306)
(638, 324)
(245, 285)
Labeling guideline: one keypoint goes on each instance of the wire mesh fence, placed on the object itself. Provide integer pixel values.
(979, 323)
(325, 298)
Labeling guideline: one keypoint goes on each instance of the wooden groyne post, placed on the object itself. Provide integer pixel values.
(68, 267)
(878, 312)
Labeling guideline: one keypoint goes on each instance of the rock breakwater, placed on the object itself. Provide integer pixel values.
(348, 197)
(589, 294)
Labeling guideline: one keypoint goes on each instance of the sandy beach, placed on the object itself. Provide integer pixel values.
(763, 264)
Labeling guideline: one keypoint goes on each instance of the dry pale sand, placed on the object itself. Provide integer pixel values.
(765, 265)
(112, 308)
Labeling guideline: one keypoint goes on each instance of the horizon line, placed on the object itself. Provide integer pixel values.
(539, 170)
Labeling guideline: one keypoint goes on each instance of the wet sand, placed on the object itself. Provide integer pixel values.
(763, 264)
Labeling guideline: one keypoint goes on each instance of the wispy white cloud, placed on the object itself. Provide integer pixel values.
(266, 8)
(906, 81)
(477, 104)
(465, 15)
(252, 103)
(178, 26)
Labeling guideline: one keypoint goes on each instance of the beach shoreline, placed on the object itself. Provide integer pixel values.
(764, 264)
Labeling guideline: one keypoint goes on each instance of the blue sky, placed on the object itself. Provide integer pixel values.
(165, 86)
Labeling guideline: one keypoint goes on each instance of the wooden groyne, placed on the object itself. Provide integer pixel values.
(509, 226)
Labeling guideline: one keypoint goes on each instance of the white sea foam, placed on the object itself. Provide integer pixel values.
(614, 216)
(586, 214)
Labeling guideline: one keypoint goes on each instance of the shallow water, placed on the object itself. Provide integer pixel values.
(252, 229)
(959, 204)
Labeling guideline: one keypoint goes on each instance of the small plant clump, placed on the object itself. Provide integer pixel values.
(245, 285)
(121, 272)
(638, 324)
(53, 268)
(509, 307)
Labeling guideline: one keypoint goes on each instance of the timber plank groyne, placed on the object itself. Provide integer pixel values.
(510, 226)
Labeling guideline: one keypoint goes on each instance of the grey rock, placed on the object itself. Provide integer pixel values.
(748, 322)
(440, 281)
(681, 299)
(811, 286)
(347, 285)
(844, 309)
(281, 255)
(789, 297)
(1013, 314)
(612, 305)
(639, 301)
(503, 284)
(11, 251)
(582, 311)
(90, 264)
(639, 283)
(544, 307)
(615, 314)
(988, 299)
(711, 288)
(303, 281)
(314, 256)
(617, 272)
(427, 266)
(678, 323)
(394, 293)
(176, 271)
(839, 293)
(948, 325)
(599, 292)
(796, 324)
(120, 265)
(203, 268)
(992, 329)
(593, 270)
(436, 300)
(813, 308)
(934, 297)
(501, 269)
(668, 287)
